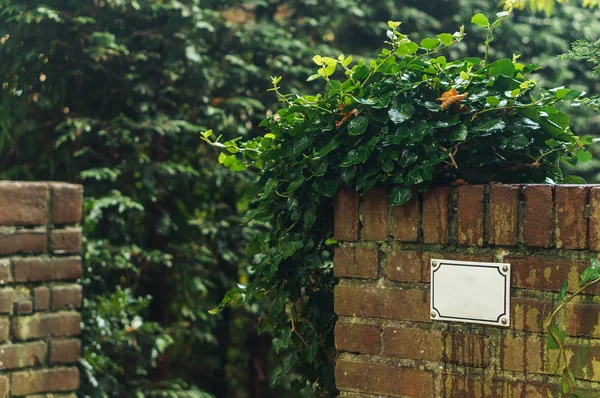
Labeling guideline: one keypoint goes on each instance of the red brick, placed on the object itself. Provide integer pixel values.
(47, 380)
(571, 221)
(4, 387)
(24, 241)
(356, 263)
(595, 219)
(528, 313)
(66, 240)
(470, 214)
(546, 273)
(61, 324)
(4, 329)
(375, 215)
(435, 215)
(7, 296)
(15, 356)
(23, 203)
(538, 221)
(407, 305)
(503, 218)
(433, 345)
(346, 216)
(41, 298)
(524, 354)
(66, 297)
(357, 337)
(465, 386)
(65, 351)
(406, 220)
(5, 273)
(40, 270)
(24, 307)
(410, 266)
(582, 320)
(67, 203)
(383, 379)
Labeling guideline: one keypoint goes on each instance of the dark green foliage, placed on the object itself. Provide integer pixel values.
(402, 121)
(113, 93)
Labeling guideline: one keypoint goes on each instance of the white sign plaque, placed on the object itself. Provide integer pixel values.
(472, 292)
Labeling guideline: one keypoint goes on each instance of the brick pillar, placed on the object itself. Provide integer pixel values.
(40, 263)
(388, 346)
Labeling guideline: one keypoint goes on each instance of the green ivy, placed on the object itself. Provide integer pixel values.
(403, 121)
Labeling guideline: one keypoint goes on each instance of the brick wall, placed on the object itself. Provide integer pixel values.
(40, 243)
(388, 346)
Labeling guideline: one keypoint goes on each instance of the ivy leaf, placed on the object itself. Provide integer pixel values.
(583, 156)
(490, 127)
(503, 66)
(481, 20)
(591, 273)
(430, 44)
(562, 291)
(399, 195)
(573, 179)
(358, 125)
(335, 142)
(311, 351)
(459, 134)
(446, 38)
(399, 113)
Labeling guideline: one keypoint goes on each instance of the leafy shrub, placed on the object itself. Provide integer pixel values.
(403, 121)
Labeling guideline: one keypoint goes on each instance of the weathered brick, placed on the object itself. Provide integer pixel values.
(23, 241)
(67, 203)
(7, 296)
(65, 351)
(15, 356)
(383, 379)
(346, 215)
(524, 354)
(41, 297)
(411, 266)
(408, 305)
(23, 203)
(470, 214)
(356, 263)
(435, 215)
(466, 386)
(406, 220)
(66, 240)
(4, 387)
(5, 272)
(528, 313)
(571, 221)
(503, 217)
(582, 320)
(61, 324)
(538, 221)
(47, 380)
(375, 215)
(546, 273)
(594, 224)
(357, 337)
(24, 307)
(40, 270)
(66, 297)
(584, 360)
(4, 329)
(433, 345)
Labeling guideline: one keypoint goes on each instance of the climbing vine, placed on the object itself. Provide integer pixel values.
(405, 120)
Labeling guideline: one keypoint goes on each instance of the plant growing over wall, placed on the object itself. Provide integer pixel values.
(403, 121)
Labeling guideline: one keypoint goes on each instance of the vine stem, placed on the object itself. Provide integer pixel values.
(550, 322)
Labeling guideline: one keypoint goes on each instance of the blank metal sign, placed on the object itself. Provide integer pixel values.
(471, 292)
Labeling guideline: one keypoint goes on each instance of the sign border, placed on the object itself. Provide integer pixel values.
(504, 269)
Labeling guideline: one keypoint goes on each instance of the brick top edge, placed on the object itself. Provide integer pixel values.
(563, 216)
